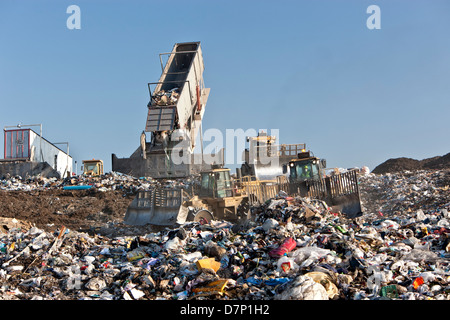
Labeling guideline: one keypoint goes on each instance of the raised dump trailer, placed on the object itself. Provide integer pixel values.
(175, 112)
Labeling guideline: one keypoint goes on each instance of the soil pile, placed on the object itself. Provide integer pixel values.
(88, 211)
(408, 164)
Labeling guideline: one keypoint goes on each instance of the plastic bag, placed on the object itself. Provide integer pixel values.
(285, 264)
(418, 255)
(303, 288)
(269, 224)
(307, 255)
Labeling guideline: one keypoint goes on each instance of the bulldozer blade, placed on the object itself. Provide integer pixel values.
(348, 204)
(162, 207)
(268, 171)
(340, 192)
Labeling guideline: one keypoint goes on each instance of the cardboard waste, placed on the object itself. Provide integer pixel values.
(295, 249)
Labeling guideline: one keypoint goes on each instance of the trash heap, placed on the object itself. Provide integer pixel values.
(406, 192)
(109, 181)
(103, 183)
(294, 249)
(163, 98)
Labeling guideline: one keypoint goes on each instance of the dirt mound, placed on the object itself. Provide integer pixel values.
(82, 210)
(408, 164)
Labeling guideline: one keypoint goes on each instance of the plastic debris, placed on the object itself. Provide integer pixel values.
(209, 263)
(295, 248)
(212, 288)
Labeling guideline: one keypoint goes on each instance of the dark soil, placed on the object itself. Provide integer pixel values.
(408, 164)
(84, 211)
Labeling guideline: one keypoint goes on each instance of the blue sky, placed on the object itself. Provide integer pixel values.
(311, 69)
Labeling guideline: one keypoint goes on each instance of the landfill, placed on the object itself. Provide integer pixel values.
(294, 249)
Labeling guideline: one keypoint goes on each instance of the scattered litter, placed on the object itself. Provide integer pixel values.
(295, 249)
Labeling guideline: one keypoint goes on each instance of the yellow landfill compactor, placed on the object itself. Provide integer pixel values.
(307, 178)
(218, 197)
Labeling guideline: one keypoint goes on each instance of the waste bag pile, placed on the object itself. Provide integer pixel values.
(294, 249)
(406, 192)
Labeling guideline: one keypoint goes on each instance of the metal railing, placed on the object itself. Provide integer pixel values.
(161, 197)
(329, 187)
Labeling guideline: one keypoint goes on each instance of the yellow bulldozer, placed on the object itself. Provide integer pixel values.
(307, 178)
(92, 167)
(218, 197)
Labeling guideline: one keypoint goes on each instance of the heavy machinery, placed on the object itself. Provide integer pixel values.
(216, 197)
(307, 178)
(264, 159)
(220, 197)
(92, 167)
(175, 112)
(174, 117)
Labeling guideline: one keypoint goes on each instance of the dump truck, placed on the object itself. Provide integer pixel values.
(177, 103)
(308, 178)
(93, 167)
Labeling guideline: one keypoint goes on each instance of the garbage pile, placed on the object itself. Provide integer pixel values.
(109, 181)
(294, 249)
(163, 98)
(106, 182)
(405, 192)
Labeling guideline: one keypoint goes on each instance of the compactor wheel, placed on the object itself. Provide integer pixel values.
(203, 216)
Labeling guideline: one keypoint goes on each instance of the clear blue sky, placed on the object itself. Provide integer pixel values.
(311, 69)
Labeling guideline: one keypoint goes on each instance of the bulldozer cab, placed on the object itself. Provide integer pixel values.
(93, 167)
(305, 167)
(216, 183)
(307, 178)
